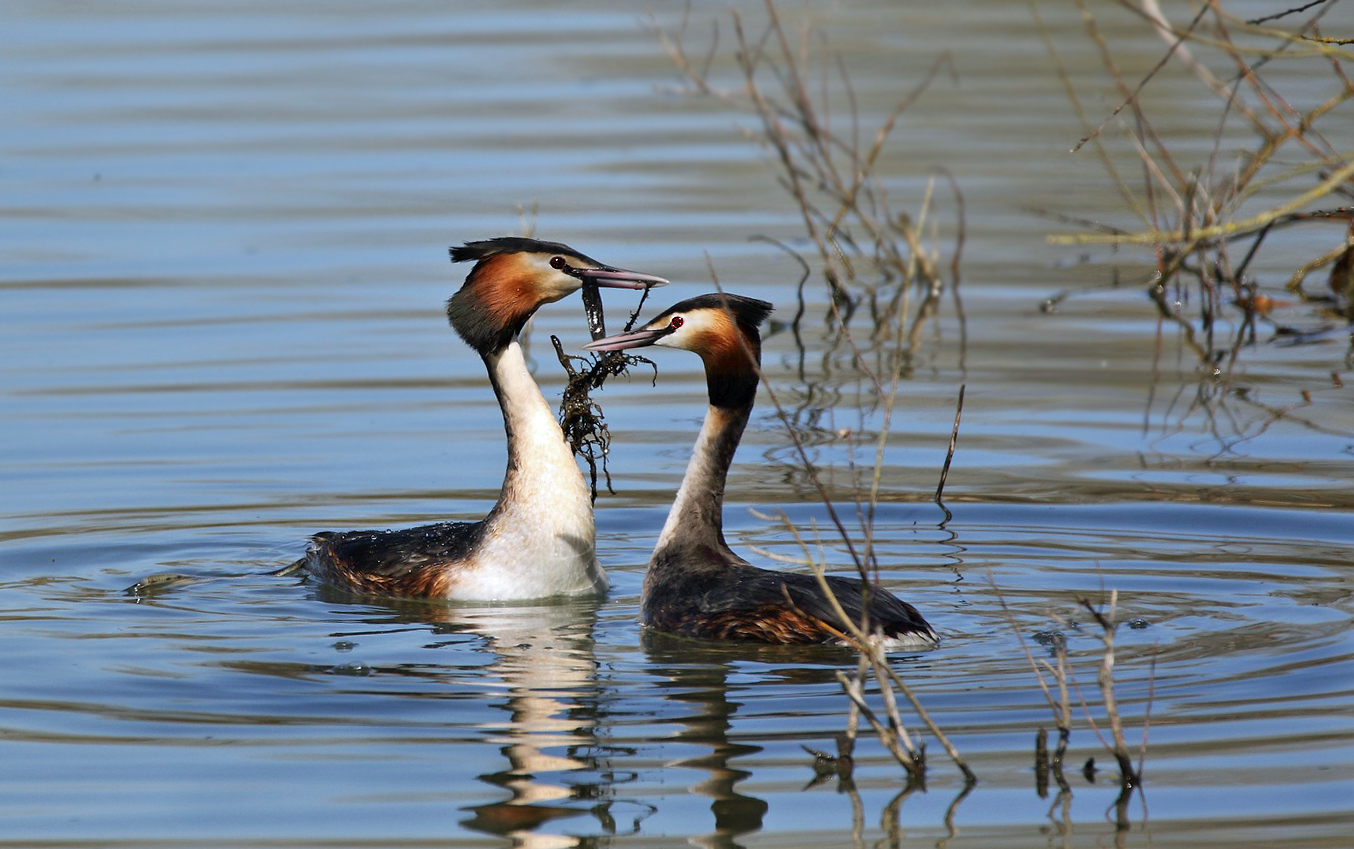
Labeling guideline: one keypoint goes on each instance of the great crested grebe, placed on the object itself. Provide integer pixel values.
(539, 539)
(695, 585)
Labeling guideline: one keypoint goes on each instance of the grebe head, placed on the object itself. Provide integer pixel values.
(514, 276)
(721, 328)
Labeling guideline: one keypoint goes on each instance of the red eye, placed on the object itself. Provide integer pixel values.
(558, 262)
(677, 321)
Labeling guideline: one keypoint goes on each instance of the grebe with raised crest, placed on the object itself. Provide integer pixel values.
(539, 539)
(695, 584)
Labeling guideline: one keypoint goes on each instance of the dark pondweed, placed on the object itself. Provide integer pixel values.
(580, 415)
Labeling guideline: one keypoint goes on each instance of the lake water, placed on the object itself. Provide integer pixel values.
(224, 260)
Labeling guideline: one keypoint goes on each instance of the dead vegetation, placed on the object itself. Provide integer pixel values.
(580, 417)
(872, 257)
(878, 263)
(1056, 678)
(1279, 168)
(875, 262)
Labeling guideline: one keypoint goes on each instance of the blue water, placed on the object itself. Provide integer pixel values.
(223, 240)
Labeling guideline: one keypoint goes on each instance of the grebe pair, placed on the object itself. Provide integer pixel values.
(539, 539)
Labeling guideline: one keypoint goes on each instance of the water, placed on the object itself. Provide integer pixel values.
(224, 235)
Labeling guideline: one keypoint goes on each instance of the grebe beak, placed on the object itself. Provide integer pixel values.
(615, 278)
(633, 339)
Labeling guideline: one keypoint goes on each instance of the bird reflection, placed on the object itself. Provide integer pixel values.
(703, 686)
(545, 662)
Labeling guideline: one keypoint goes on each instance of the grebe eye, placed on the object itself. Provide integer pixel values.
(558, 262)
(677, 321)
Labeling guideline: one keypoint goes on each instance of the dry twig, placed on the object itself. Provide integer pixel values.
(1194, 214)
(870, 255)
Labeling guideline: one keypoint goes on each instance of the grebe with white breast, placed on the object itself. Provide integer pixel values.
(539, 539)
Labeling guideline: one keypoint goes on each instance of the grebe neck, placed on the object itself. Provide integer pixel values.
(697, 516)
(544, 512)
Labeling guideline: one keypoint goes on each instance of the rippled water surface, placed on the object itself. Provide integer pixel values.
(224, 233)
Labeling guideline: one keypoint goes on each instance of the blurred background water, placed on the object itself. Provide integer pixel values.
(223, 241)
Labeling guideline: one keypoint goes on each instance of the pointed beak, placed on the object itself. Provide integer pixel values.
(633, 339)
(617, 278)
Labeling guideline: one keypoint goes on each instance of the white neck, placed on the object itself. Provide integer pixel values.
(697, 514)
(539, 539)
